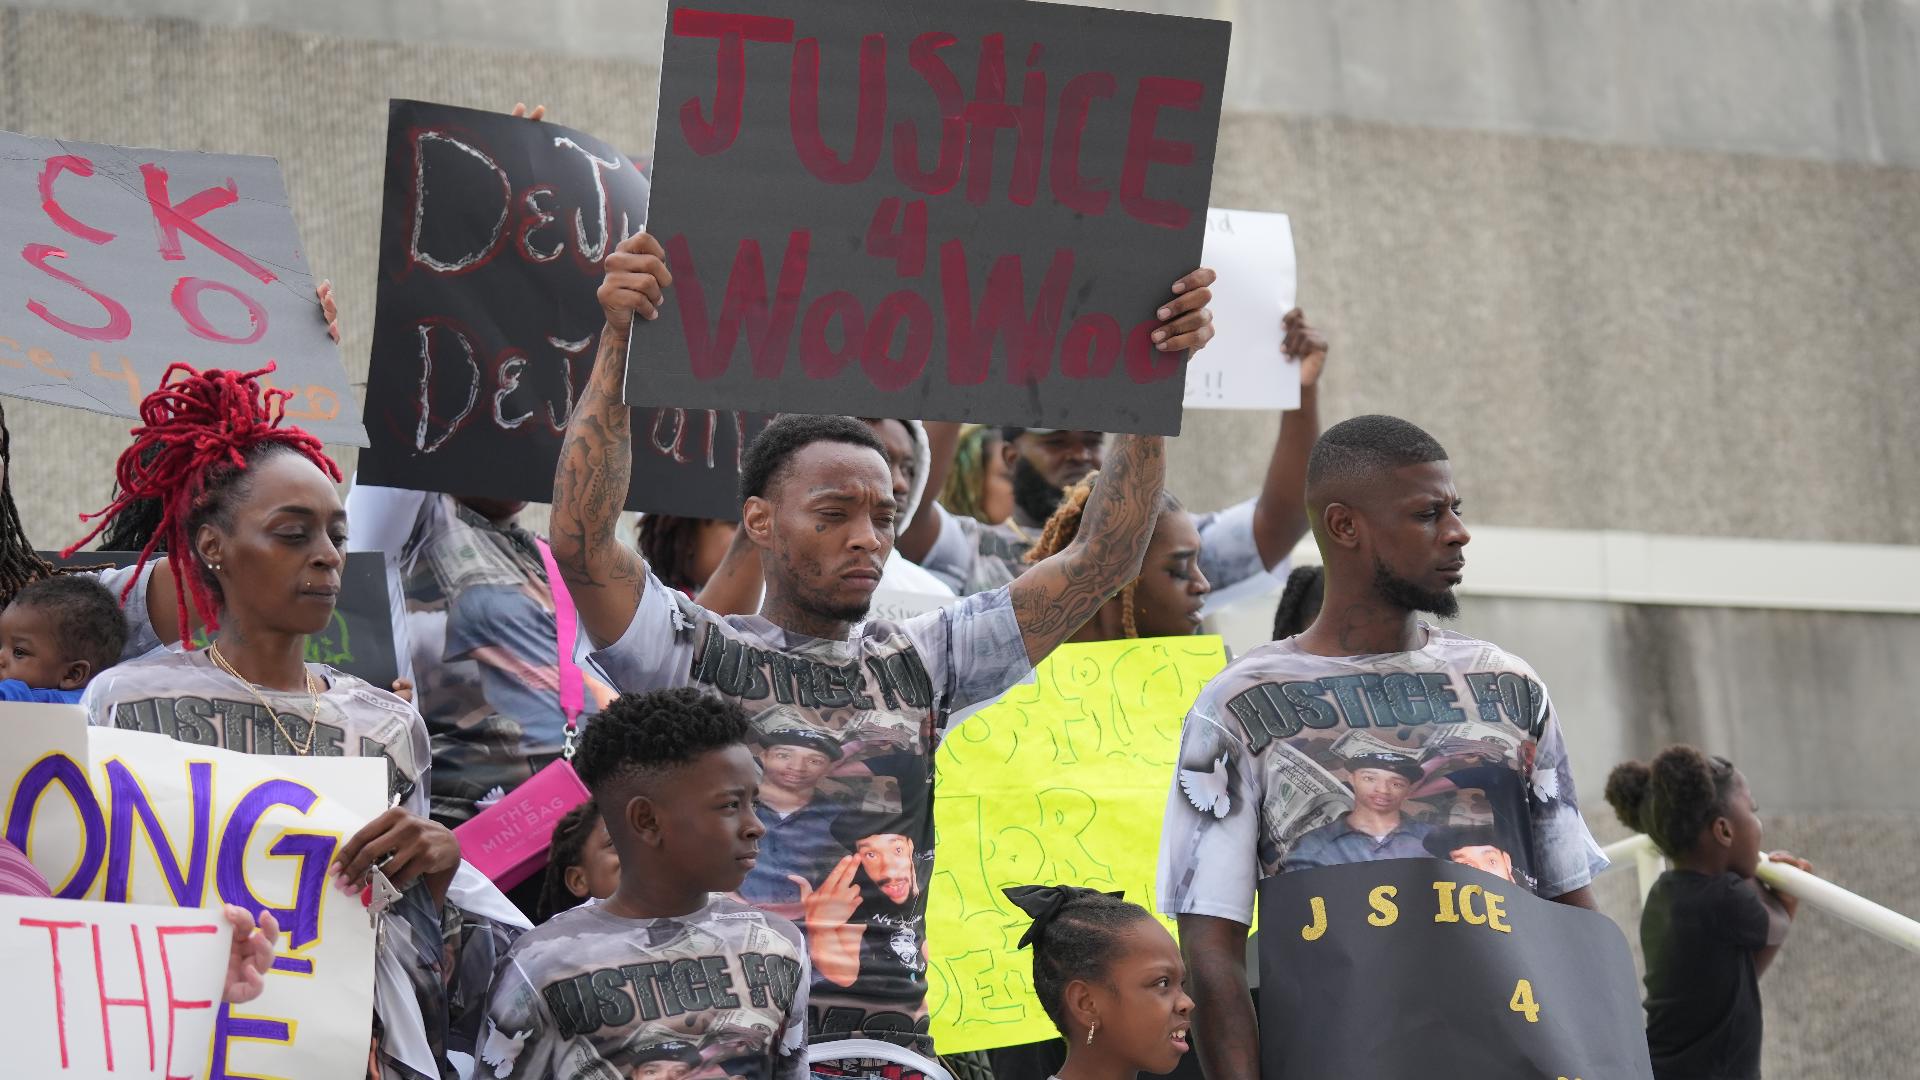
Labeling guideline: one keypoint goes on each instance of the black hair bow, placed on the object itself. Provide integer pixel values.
(1043, 904)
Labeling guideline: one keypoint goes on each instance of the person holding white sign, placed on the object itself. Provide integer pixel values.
(1243, 544)
(252, 506)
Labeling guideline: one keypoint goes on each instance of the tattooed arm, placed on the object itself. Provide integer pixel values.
(1055, 598)
(605, 576)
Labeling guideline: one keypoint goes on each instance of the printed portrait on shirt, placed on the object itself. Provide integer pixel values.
(891, 871)
(708, 997)
(1312, 763)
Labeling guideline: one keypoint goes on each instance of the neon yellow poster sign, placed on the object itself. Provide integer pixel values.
(1060, 782)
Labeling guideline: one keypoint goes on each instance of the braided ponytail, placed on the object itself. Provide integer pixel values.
(199, 432)
(20, 564)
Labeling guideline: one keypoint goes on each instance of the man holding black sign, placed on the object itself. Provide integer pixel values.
(1302, 756)
(818, 502)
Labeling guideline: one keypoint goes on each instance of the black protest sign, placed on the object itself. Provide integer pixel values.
(360, 640)
(491, 241)
(130, 260)
(1425, 967)
(949, 211)
(687, 461)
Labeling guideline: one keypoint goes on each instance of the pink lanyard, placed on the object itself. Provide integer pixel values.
(573, 693)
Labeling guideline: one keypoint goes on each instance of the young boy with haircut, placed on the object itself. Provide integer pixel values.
(56, 635)
(665, 963)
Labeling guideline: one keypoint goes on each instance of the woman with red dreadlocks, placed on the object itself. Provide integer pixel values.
(256, 537)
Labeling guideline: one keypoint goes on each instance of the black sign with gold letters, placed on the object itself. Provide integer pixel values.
(1423, 968)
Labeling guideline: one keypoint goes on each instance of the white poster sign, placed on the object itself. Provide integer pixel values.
(1243, 367)
(98, 991)
(127, 816)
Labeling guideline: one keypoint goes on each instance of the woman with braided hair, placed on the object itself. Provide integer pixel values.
(686, 550)
(980, 483)
(1165, 600)
(256, 536)
(20, 564)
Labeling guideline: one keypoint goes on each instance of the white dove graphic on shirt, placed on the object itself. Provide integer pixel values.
(500, 1051)
(1207, 791)
(1546, 784)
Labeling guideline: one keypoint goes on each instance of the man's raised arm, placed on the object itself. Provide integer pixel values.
(1055, 598)
(596, 459)
(1058, 596)
(1280, 517)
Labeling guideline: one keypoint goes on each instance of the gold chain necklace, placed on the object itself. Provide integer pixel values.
(313, 694)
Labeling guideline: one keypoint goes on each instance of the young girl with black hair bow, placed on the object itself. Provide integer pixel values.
(1109, 977)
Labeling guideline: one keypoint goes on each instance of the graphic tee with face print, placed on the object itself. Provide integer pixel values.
(1291, 761)
(720, 994)
(845, 733)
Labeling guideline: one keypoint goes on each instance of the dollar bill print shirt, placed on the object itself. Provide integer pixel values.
(845, 733)
(481, 622)
(1290, 761)
(720, 994)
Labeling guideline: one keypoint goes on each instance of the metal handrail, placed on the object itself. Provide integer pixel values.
(1876, 919)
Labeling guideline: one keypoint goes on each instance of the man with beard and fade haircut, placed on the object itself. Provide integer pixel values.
(818, 502)
(1258, 743)
(1243, 548)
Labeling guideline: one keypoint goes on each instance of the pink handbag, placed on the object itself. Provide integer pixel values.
(508, 841)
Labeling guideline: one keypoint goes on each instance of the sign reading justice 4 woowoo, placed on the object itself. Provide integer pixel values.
(963, 212)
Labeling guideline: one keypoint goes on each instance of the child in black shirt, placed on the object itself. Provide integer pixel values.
(1708, 929)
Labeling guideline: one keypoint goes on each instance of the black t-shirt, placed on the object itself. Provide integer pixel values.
(1700, 934)
(890, 949)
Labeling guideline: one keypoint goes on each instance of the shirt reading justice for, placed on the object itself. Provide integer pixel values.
(1290, 760)
(847, 730)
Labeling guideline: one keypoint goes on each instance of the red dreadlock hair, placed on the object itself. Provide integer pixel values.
(198, 433)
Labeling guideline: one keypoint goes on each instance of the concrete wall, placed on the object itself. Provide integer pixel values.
(1645, 264)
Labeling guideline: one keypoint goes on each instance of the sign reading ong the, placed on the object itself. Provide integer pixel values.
(121, 261)
(136, 816)
(98, 991)
(491, 241)
(1425, 967)
(950, 211)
